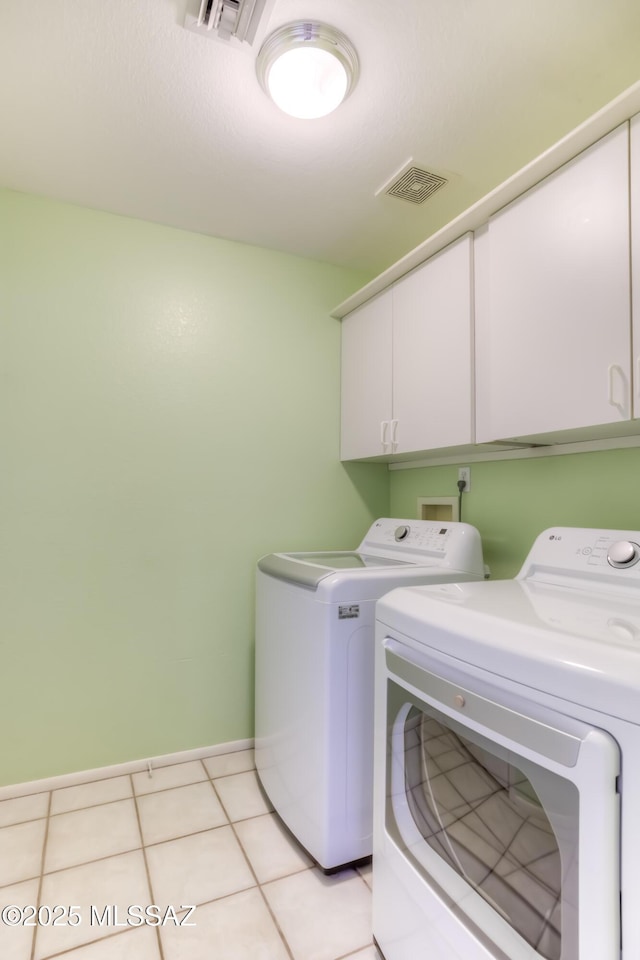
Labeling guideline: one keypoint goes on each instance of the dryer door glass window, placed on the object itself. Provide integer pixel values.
(480, 812)
(507, 811)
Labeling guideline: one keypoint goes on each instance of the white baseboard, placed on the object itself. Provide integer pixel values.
(119, 769)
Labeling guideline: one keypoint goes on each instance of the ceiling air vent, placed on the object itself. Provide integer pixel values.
(229, 19)
(412, 183)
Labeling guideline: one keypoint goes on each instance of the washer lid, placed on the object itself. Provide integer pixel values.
(400, 545)
(347, 560)
(581, 646)
(310, 569)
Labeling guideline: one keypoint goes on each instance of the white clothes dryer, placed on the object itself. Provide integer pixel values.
(507, 773)
(315, 615)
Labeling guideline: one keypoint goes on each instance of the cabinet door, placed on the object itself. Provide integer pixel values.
(553, 345)
(432, 355)
(366, 380)
(635, 257)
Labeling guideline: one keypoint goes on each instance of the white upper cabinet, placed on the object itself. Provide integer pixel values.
(432, 354)
(407, 362)
(635, 258)
(553, 331)
(366, 401)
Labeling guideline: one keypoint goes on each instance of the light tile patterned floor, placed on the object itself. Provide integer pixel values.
(201, 833)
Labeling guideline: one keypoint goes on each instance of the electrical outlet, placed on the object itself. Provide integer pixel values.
(464, 473)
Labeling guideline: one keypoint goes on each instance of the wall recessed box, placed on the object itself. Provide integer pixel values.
(438, 508)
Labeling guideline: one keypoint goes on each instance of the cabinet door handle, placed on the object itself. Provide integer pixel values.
(394, 430)
(383, 434)
(622, 404)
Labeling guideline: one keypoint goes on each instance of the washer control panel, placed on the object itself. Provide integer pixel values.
(449, 545)
(432, 543)
(430, 536)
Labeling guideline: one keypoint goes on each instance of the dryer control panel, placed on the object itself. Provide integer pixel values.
(606, 555)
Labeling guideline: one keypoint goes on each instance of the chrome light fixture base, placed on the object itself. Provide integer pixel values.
(333, 50)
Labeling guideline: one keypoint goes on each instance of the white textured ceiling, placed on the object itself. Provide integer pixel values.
(113, 104)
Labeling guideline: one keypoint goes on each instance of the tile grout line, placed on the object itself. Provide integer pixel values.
(146, 864)
(41, 877)
(91, 806)
(109, 936)
(83, 946)
(274, 919)
(354, 953)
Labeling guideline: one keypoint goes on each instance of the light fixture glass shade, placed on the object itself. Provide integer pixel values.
(307, 68)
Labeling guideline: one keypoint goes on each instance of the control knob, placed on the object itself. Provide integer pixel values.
(402, 532)
(623, 553)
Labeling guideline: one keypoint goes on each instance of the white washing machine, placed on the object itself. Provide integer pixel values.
(314, 673)
(507, 760)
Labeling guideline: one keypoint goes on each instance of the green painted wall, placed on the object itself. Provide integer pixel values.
(170, 412)
(512, 501)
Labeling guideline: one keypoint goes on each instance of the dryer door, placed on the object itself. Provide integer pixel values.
(510, 814)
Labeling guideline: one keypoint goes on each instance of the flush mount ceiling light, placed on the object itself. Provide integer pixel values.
(307, 68)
